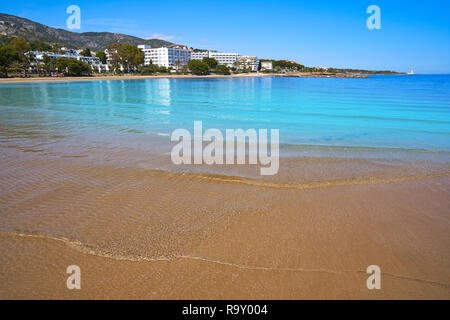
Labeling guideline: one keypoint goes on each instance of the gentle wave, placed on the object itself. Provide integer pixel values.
(363, 180)
(357, 148)
(90, 249)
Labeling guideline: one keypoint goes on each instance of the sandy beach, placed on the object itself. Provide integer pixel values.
(175, 76)
(153, 234)
(86, 179)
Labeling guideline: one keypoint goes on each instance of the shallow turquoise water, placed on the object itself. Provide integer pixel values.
(402, 112)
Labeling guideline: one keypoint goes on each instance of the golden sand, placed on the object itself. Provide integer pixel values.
(152, 234)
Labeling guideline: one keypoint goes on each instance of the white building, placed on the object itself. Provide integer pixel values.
(94, 62)
(226, 58)
(266, 65)
(246, 62)
(108, 66)
(175, 56)
(199, 55)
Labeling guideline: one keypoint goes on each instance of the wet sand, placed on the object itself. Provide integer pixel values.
(152, 234)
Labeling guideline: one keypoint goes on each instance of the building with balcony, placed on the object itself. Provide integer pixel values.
(226, 58)
(94, 62)
(175, 56)
(199, 55)
(249, 63)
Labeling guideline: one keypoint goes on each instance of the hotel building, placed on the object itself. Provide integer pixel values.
(175, 56)
(246, 62)
(70, 54)
(226, 58)
(199, 55)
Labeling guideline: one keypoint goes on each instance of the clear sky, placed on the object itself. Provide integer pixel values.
(329, 33)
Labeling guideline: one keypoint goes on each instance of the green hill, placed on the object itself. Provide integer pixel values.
(14, 26)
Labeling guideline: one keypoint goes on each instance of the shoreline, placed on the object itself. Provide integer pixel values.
(179, 76)
(174, 242)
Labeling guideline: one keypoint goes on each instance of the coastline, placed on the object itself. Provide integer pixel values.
(178, 76)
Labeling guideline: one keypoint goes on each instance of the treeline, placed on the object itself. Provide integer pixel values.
(64, 66)
(289, 66)
(207, 65)
(361, 71)
(125, 56)
(16, 57)
(34, 45)
(13, 57)
(196, 67)
(283, 65)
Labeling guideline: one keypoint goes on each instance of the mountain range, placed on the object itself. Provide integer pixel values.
(14, 26)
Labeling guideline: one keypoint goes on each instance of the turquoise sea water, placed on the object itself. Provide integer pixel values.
(381, 112)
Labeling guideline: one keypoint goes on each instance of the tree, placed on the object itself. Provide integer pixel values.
(223, 69)
(162, 69)
(21, 46)
(48, 63)
(236, 66)
(78, 68)
(287, 65)
(40, 46)
(151, 68)
(211, 62)
(86, 53)
(114, 56)
(147, 69)
(4, 40)
(131, 56)
(126, 55)
(72, 67)
(102, 55)
(7, 57)
(198, 67)
(29, 58)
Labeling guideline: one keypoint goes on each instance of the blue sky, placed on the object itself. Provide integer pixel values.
(315, 33)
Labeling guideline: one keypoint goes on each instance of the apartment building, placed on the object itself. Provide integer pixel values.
(266, 65)
(68, 53)
(226, 58)
(199, 55)
(175, 56)
(248, 62)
